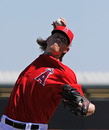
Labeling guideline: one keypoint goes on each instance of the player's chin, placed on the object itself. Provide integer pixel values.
(55, 50)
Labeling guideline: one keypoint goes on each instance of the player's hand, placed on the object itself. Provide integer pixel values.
(74, 101)
(64, 23)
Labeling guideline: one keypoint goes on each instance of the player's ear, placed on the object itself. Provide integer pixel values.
(66, 50)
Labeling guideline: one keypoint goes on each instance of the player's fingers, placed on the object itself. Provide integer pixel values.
(65, 100)
(63, 21)
(53, 24)
(80, 104)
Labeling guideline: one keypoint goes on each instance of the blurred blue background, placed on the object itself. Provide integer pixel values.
(23, 21)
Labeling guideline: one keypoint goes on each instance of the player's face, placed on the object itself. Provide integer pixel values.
(57, 44)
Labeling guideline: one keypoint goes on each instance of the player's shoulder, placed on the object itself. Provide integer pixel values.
(69, 75)
(68, 69)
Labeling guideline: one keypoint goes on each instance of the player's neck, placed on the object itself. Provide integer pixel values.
(55, 56)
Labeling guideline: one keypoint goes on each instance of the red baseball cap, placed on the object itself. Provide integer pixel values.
(65, 30)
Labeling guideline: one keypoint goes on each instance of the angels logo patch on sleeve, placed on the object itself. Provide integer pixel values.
(43, 76)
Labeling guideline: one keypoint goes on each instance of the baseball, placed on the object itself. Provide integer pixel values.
(58, 22)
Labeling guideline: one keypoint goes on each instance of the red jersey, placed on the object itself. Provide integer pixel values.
(37, 92)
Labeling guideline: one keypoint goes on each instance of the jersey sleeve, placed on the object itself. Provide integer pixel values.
(69, 77)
